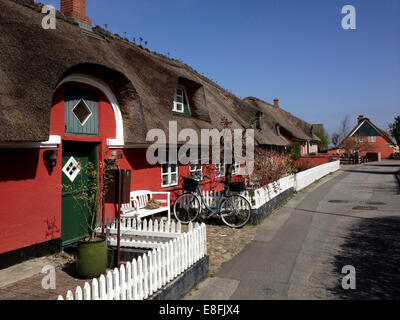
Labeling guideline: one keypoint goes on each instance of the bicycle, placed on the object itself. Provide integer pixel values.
(233, 209)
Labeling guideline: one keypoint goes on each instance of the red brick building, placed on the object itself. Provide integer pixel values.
(370, 140)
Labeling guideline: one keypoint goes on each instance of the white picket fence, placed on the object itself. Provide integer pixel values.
(211, 197)
(142, 233)
(146, 275)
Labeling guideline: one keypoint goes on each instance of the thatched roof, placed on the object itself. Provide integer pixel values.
(298, 129)
(34, 60)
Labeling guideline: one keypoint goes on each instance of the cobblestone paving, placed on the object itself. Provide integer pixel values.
(31, 288)
(223, 243)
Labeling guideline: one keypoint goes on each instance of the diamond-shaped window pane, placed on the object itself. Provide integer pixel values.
(82, 112)
(71, 169)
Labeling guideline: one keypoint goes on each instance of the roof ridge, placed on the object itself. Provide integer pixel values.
(107, 34)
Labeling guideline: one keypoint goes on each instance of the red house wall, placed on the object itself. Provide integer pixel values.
(381, 145)
(30, 198)
(313, 161)
(30, 203)
(148, 177)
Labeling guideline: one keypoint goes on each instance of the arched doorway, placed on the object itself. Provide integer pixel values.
(89, 121)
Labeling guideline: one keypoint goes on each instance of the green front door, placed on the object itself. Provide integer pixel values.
(75, 214)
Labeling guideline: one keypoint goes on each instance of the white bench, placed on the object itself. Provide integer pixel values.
(137, 206)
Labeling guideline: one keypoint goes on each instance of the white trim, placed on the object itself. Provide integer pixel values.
(118, 142)
(182, 104)
(358, 127)
(220, 172)
(52, 143)
(197, 172)
(87, 117)
(236, 168)
(372, 125)
(169, 174)
(67, 166)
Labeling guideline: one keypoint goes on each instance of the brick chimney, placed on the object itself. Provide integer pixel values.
(276, 102)
(76, 9)
(360, 118)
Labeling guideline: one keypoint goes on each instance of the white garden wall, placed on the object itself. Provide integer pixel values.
(297, 181)
(307, 177)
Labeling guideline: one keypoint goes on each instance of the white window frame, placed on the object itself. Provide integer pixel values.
(220, 170)
(71, 169)
(196, 170)
(235, 168)
(181, 105)
(169, 174)
(87, 117)
(371, 138)
(360, 139)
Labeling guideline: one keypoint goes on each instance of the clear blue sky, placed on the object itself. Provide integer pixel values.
(290, 49)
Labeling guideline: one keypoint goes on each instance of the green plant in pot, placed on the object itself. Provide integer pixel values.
(89, 194)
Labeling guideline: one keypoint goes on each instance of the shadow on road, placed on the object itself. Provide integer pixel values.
(373, 172)
(373, 248)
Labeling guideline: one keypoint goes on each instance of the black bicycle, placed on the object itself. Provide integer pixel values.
(234, 209)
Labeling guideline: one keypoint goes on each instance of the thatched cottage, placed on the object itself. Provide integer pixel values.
(79, 93)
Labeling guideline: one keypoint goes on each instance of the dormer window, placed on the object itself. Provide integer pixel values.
(181, 104)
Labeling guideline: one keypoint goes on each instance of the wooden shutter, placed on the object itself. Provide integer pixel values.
(73, 95)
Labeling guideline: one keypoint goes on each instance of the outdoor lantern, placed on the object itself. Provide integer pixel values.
(50, 158)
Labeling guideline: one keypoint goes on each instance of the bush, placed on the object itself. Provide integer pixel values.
(270, 166)
(313, 153)
(294, 150)
(396, 156)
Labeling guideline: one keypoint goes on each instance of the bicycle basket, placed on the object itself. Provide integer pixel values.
(190, 184)
(237, 187)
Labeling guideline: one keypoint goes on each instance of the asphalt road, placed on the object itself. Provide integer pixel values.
(350, 218)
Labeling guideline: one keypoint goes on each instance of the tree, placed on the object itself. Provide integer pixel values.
(323, 144)
(294, 150)
(394, 129)
(352, 146)
(335, 139)
(343, 131)
(89, 196)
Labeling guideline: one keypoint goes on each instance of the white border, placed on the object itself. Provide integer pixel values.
(89, 115)
(118, 142)
(169, 174)
(76, 172)
(52, 143)
(175, 109)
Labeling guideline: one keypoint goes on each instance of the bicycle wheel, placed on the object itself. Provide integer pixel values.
(186, 207)
(235, 211)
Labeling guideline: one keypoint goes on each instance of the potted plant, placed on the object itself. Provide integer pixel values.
(89, 194)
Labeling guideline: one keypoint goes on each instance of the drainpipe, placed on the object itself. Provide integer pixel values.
(119, 216)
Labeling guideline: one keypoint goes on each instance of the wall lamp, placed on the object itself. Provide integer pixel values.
(50, 158)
